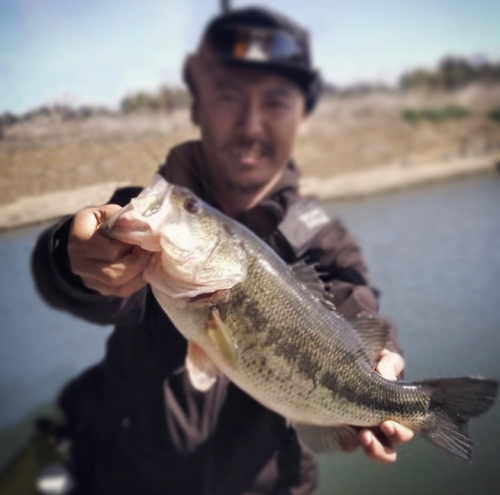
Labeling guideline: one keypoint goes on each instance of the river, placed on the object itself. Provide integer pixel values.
(434, 253)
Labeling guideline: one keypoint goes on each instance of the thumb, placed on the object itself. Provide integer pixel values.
(86, 221)
(104, 212)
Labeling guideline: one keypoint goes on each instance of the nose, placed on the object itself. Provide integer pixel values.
(252, 118)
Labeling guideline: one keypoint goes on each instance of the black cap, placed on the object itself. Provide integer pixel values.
(293, 58)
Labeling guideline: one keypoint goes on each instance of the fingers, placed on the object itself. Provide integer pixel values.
(87, 220)
(97, 248)
(86, 241)
(123, 290)
(379, 443)
(391, 365)
(108, 266)
(120, 278)
(396, 433)
(377, 449)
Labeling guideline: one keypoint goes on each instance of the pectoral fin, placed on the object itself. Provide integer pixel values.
(220, 336)
(201, 370)
(323, 439)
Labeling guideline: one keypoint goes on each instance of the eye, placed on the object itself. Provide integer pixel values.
(276, 103)
(191, 205)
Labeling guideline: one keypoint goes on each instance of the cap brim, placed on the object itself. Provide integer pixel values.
(301, 77)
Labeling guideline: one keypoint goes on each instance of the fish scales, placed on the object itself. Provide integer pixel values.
(244, 310)
(283, 347)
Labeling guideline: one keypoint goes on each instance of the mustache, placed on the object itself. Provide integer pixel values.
(245, 142)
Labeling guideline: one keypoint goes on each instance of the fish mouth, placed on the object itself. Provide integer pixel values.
(108, 226)
(137, 222)
(211, 297)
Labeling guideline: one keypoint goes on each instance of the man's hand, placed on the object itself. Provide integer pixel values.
(108, 266)
(379, 443)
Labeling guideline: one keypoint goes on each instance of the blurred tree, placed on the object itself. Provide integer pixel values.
(165, 100)
(452, 73)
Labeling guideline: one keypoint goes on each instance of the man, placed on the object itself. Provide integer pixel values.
(140, 426)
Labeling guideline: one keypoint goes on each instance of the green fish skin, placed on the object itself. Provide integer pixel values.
(259, 323)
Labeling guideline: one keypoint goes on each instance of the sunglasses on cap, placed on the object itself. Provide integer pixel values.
(243, 43)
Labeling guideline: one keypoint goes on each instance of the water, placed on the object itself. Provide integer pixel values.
(40, 349)
(434, 252)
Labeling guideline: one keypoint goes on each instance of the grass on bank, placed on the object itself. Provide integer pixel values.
(437, 114)
(494, 114)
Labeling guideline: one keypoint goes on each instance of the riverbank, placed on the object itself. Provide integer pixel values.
(393, 177)
(53, 165)
(39, 208)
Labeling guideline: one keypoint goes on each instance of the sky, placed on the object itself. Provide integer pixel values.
(98, 51)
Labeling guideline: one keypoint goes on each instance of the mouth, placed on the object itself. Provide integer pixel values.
(209, 296)
(250, 156)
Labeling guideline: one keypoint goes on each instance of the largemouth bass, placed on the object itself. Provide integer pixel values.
(268, 327)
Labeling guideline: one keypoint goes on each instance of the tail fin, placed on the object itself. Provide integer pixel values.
(453, 401)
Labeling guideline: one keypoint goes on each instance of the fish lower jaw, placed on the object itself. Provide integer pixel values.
(209, 297)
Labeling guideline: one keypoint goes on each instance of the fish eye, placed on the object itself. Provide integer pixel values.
(191, 205)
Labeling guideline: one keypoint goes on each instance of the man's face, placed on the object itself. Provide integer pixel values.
(249, 120)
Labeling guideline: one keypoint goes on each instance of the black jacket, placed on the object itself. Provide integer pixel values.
(220, 442)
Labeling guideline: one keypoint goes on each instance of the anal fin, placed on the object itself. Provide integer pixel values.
(324, 439)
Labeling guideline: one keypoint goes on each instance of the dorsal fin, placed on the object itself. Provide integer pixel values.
(372, 332)
(309, 276)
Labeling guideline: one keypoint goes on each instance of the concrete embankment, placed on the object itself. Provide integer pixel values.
(389, 178)
(35, 209)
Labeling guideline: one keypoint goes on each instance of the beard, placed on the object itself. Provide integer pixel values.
(239, 145)
(245, 189)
